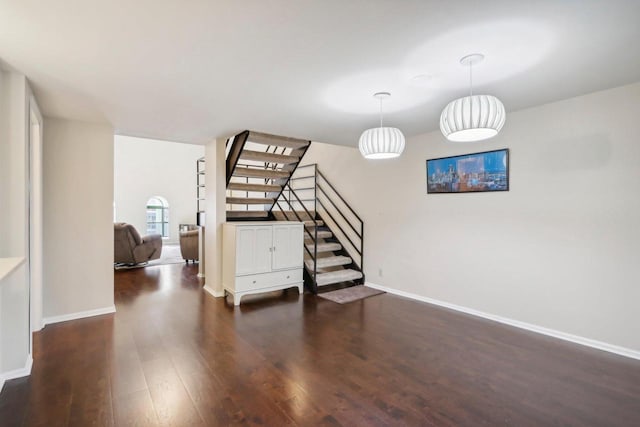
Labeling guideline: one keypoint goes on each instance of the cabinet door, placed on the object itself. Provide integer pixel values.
(253, 250)
(288, 249)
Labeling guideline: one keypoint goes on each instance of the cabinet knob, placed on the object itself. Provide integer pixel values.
(287, 277)
(254, 281)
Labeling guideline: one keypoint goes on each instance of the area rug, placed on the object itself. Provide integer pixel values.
(347, 295)
(170, 255)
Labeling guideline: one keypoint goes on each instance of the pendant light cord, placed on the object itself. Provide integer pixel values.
(470, 78)
(380, 111)
(470, 91)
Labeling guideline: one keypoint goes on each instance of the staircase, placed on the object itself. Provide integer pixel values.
(334, 233)
(265, 182)
(258, 167)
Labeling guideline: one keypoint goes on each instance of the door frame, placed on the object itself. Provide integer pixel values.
(35, 210)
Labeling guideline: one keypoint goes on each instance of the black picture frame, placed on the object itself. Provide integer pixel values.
(485, 171)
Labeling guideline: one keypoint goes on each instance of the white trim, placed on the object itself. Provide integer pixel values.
(622, 351)
(79, 315)
(17, 373)
(214, 293)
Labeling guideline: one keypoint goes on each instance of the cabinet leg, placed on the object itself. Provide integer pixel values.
(236, 299)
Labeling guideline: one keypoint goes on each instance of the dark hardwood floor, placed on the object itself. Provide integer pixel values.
(174, 355)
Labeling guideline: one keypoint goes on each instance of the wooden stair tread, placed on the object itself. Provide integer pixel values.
(324, 247)
(291, 216)
(262, 188)
(331, 261)
(311, 224)
(300, 212)
(259, 173)
(338, 276)
(250, 200)
(247, 214)
(280, 141)
(322, 234)
(260, 156)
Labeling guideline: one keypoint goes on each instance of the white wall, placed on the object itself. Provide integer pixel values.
(560, 250)
(4, 160)
(78, 217)
(145, 168)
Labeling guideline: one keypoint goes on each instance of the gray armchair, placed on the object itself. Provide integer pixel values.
(130, 248)
(189, 242)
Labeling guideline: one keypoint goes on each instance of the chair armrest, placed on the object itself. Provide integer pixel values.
(189, 233)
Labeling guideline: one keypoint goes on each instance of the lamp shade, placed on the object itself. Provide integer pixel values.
(381, 143)
(472, 118)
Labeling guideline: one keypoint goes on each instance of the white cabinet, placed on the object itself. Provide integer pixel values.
(287, 246)
(261, 257)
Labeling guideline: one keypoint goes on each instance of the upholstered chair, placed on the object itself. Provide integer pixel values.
(189, 243)
(130, 248)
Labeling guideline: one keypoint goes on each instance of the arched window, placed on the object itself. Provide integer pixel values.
(158, 216)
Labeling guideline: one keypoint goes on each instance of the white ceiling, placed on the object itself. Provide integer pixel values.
(192, 70)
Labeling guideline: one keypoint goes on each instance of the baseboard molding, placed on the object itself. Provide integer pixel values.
(212, 292)
(17, 373)
(79, 315)
(622, 351)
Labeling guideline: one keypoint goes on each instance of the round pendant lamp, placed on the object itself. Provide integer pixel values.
(381, 142)
(473, 117)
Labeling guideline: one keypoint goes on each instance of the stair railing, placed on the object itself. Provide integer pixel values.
(350, 218)
(329, 204)
(314, 192)
(314, 237)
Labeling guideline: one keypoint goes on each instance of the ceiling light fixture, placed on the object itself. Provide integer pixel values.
(473, 117)
(381, 142)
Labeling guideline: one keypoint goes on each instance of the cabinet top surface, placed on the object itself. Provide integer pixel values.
(254, 223)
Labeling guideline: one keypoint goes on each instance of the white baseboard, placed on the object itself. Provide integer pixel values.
(212, 292)
(622, 351)
(79, 315)
(17, 373)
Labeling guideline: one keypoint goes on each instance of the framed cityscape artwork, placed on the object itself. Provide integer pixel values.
(469, 173)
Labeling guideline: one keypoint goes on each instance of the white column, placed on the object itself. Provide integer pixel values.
(215, 195)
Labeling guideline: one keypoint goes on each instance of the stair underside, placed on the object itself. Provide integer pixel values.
(324, 247)
(262, 188)
(247, 214)
(259, 173)
(338, 276)
(249, 201)
(331, 261)
(280, 141)
(260, 156)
